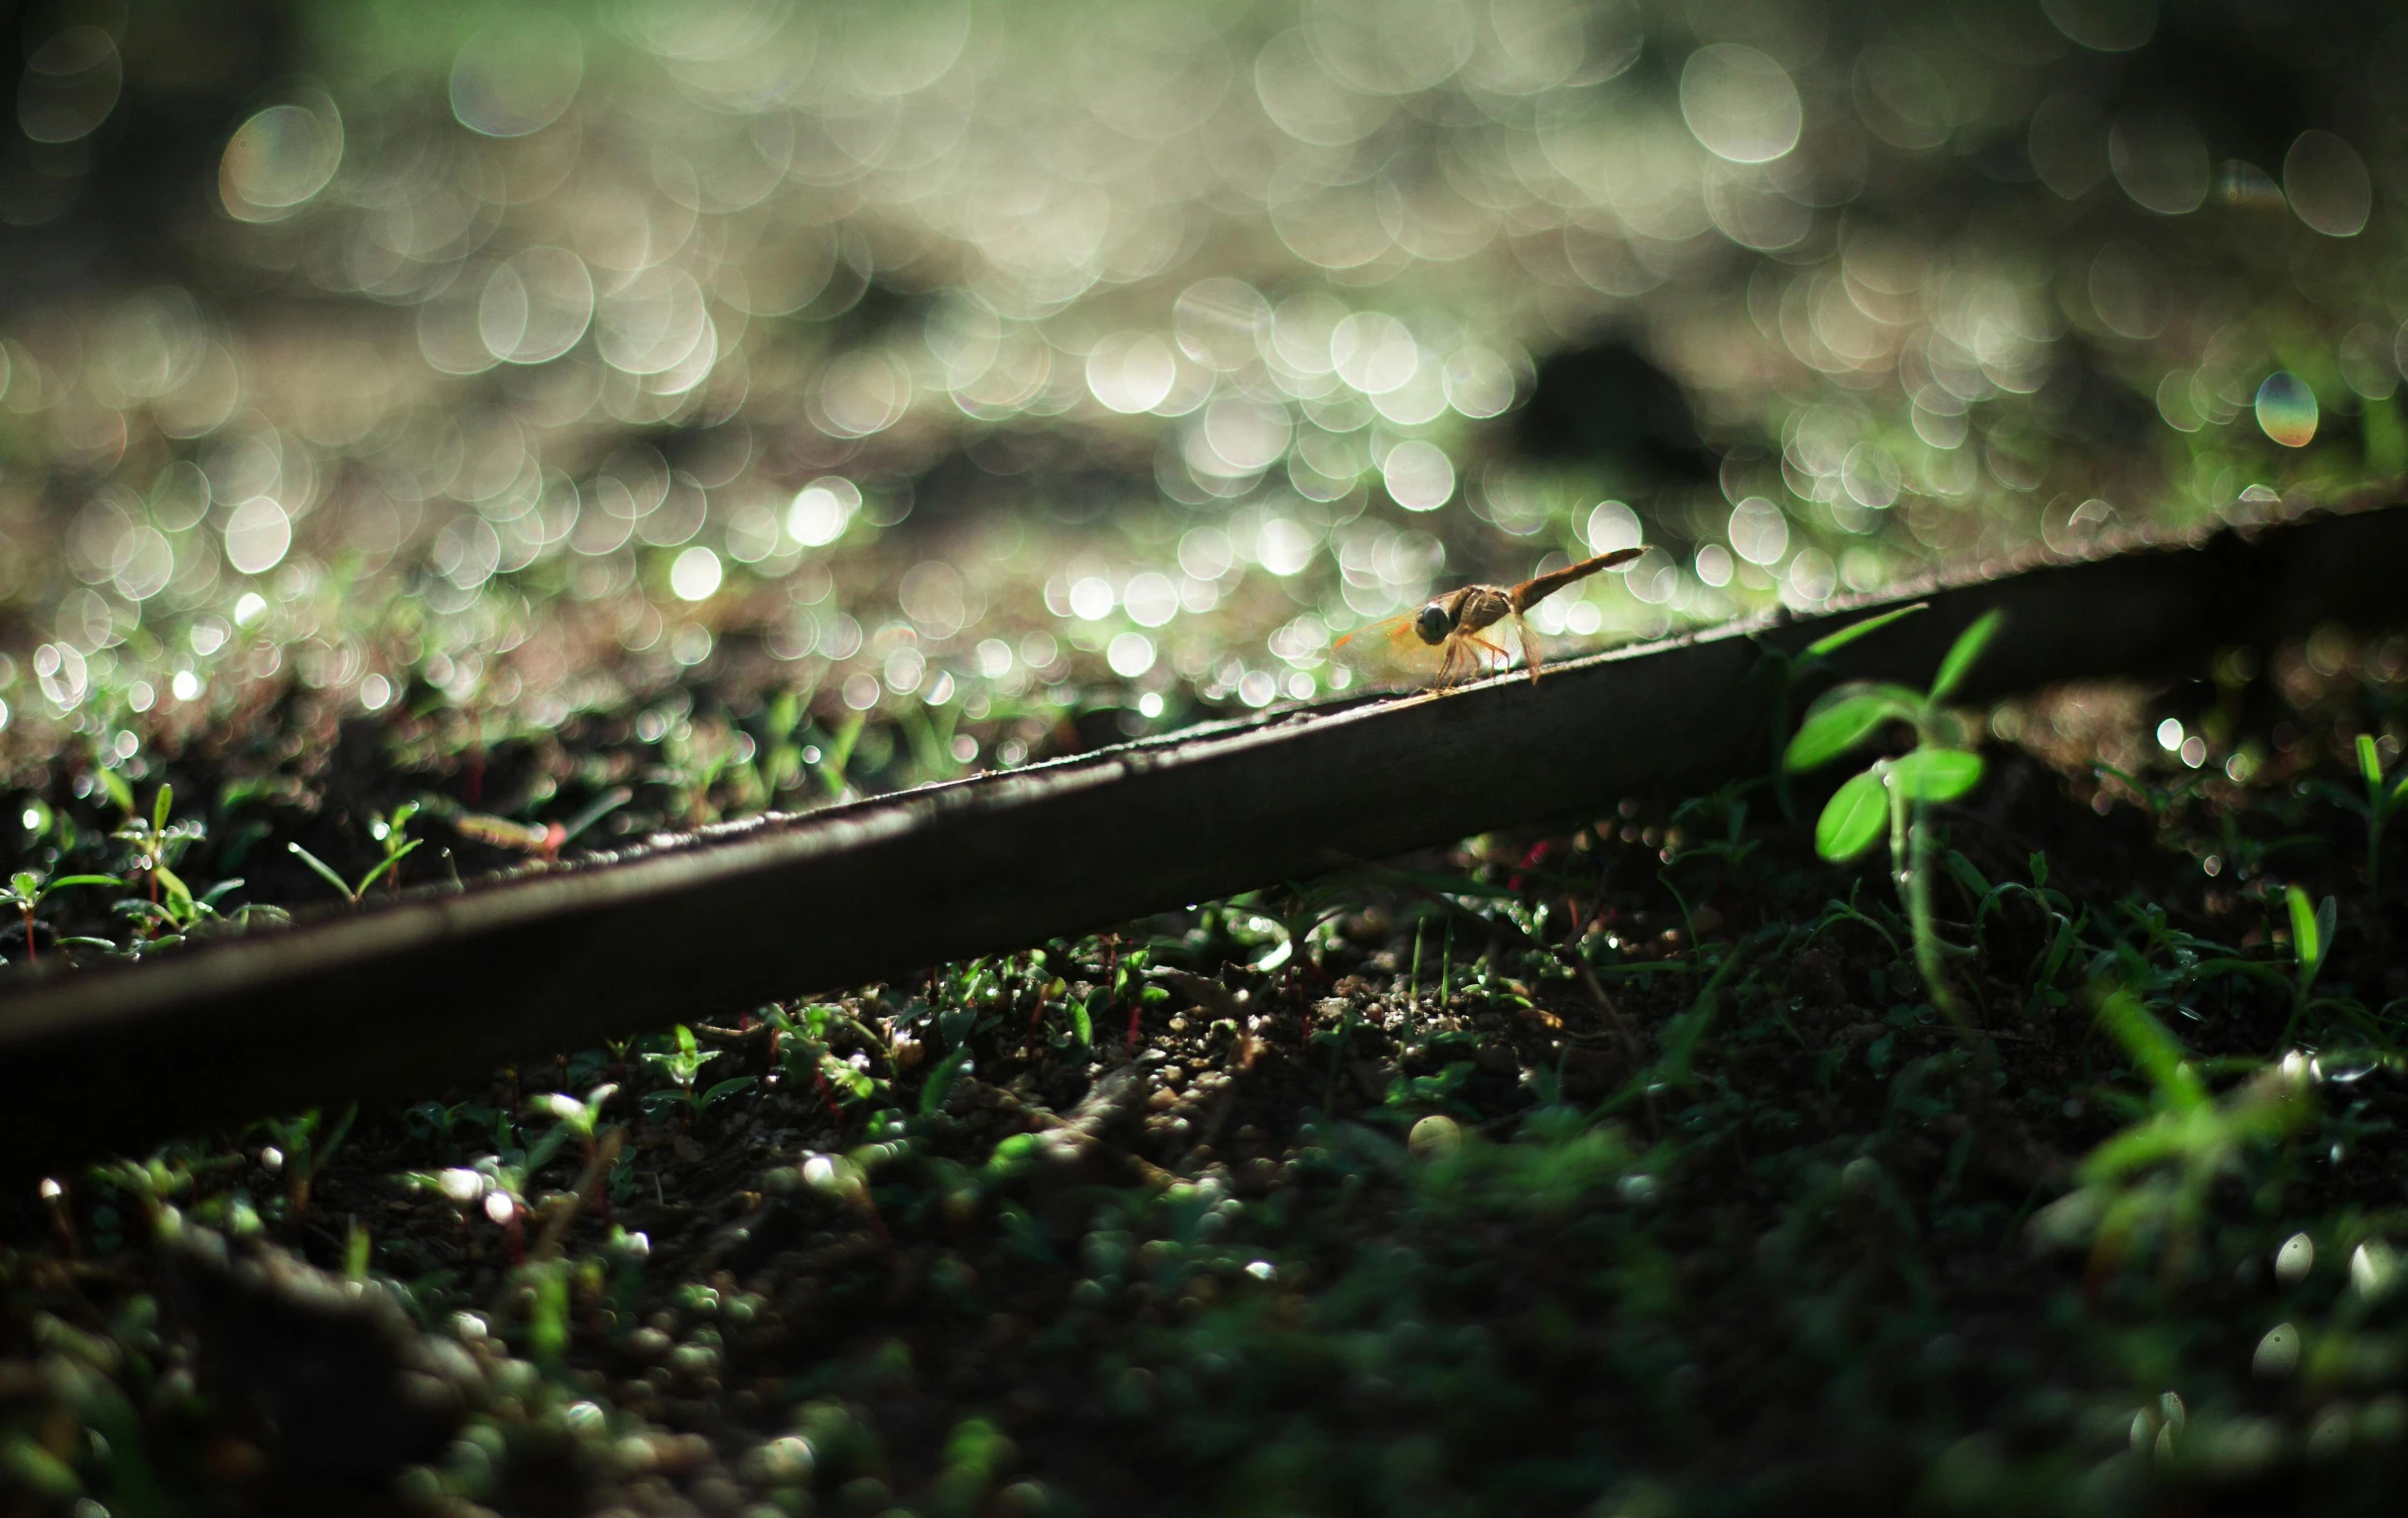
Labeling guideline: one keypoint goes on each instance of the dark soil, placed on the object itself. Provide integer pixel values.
(1627, 1169)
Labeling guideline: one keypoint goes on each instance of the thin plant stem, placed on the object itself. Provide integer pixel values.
(1928, 961)
(1910, 855)
(1446, 967)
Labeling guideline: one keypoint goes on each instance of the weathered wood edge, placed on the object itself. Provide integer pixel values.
(439, 988)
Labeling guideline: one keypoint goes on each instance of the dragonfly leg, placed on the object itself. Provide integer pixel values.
(1504, 660)
(1450, 666)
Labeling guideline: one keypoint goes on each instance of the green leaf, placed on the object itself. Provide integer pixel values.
(1936, 774)
(1840, 722)
(1968, 875)
(1961, 655)
(2370, 762)
(592, 812)
(2307, 937)
(1449, 885)
(324, 871)
(160, 807)
(1083, 1024)
(1852, 819)
(2156, 1051)
(729, 1088)
(1833, 643)
(64, 880)
(941, 1077)
(174, 884)
(843, 1075)
(390, 859)
(118, 791)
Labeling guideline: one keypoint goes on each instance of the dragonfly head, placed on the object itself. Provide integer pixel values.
(1433, 623)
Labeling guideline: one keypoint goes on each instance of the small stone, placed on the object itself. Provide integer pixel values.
(1434, 1137)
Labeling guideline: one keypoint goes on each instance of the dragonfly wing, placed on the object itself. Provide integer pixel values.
(1391, 645)
(1373, 635)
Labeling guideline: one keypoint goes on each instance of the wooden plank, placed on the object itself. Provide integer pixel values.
(439, 989)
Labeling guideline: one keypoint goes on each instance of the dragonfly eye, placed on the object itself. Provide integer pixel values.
(1433, 624)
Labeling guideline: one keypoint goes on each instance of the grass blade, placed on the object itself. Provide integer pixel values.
(1831, 643)
(2307, 938)
(1962, 653)
(324, 871)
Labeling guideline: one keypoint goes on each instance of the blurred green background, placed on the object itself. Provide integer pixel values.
(1015, 376)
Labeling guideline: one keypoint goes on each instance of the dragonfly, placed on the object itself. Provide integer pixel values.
(1453, 623)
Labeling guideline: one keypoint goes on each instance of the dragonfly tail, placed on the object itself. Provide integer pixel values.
(1531, 592)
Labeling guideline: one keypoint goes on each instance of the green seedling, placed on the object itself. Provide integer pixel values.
(2149, 1184)
(694, 757)
(300, 1150)
(389, 832)
(780, 764)
(835, 754)
(1897, 791)
(2311, 929)
(578, 1121)
(2159, 801)
(1789, 668)
(169, 922)
(156, 843)
(28, 889)
(681, 1067)
(2385, 796)
(929, 730)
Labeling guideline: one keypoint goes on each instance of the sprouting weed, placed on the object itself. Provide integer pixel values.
(835, 754)
(2148, 1186)
(27, 889)
(1898, 791)
(681, 1067)
(2385, 796)
(1789, 668)
(389, 832)
(155, 843)
(302, 1149)
(2311, 929)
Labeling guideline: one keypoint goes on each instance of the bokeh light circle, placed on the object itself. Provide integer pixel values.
(2106, 26)
(1740, 103)
(517, 76)
(535, 306)
(258, 533)
(2286, 409)
(2327, 185)
(695, 574)
(72, 83)
(279, 160)
(1418, 474)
